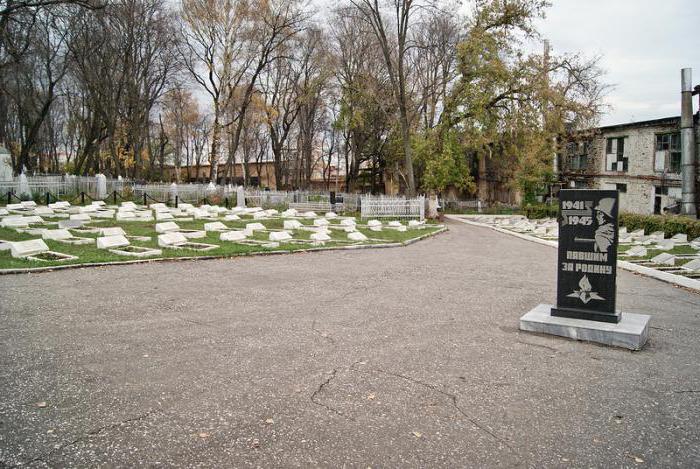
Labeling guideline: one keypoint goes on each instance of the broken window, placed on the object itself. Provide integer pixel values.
(577, 154)
(668, 153)
(615, 155)
(621, 187)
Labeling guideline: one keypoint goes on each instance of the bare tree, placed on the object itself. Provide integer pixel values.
(394, 48)
(274, 25)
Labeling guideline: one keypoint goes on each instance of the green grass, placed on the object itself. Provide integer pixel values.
(90, 254)
(651, 253)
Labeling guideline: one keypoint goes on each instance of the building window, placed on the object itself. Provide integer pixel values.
(668, 153)
(621, 187)
(577, 155)
(615, 155)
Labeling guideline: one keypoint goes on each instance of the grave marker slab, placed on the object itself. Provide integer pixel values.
(232, 236)
(693, 266)
(14, 222)
(292, 224)
(70, 224)
(193, 234)
(167, 227)
(215, 226)
(255, 226)
(27, 248)
(171, 239)
(164, 216)
(636, 251)
(321, 236)
(665, 245)
(680, 238)
(664, 259)
(279, 236)
(112, 231)
(57, 234)
(357, 236)
(109, 242)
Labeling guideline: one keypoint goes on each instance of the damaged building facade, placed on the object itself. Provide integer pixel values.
(653, 164)
(642, 160)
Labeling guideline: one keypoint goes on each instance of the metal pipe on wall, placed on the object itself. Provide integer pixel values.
(688, 168)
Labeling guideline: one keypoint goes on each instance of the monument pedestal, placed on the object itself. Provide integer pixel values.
(631, 332)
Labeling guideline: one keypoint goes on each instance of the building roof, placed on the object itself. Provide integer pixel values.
(676, 120)
(664, 121)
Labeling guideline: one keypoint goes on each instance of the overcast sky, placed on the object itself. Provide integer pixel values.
(643, 44)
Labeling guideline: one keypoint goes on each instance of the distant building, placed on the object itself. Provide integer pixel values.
(259, 175)
(642, 160)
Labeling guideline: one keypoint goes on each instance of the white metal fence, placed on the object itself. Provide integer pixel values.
(392, 207)
(72, 186)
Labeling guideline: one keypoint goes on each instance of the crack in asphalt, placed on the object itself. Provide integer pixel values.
(319, 390)
(537, 345)
(87, 436)
(452, 397)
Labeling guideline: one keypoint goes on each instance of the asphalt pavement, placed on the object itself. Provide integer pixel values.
(401, 357)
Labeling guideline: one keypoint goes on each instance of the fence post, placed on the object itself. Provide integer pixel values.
(48, 201)
(9, 197)
(226, 202)
(176, 200)
(82, 198)
(145, 202)
(115, 197)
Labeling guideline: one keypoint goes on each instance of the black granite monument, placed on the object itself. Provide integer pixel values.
(586, 286)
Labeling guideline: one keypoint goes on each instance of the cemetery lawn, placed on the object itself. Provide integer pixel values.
(89, 253)
(683, 250)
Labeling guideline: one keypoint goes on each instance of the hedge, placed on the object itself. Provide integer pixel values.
(538, 211)
(670, 225)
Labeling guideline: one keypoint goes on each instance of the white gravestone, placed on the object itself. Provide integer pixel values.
(693, 266)
(232, 236)
(664, 259)
(292, 224)
(322, 236)
(23, 186)
(57, 235)
(167, 227)
(112, 231)
(636, 251)
(101, 183)
(27, 248)
(240, 197)
(255, 227)
(357, 236)
(109, 242)
(171, 239)
(280, 236)
(215, 226)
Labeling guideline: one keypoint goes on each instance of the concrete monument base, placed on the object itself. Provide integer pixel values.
(631, 332)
